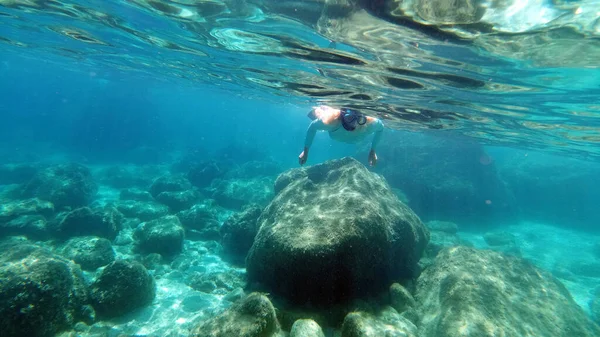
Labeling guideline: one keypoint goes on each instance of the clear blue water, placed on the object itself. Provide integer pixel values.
(491, 112)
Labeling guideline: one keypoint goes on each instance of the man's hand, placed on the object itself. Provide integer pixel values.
(303, 156)
(372, 158)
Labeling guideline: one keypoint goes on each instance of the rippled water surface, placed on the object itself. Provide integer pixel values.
(512, 72)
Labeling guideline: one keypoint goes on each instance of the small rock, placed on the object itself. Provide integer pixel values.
(235, 295)
(400, 298)
(200, 222)
(122, 287)
(135, 194)
(254, 316)
(90, 253)
(442, 226)
(306, 328)
(386, 323)
(34, 206)
(142, 210)
(31, 226)
(105, 222)
(169, 183)
(500, 239)
(163, 236)
(178, 200)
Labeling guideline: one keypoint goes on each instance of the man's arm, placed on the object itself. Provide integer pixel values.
(316, 125)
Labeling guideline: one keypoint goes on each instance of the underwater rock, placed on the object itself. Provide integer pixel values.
(163, 236)
(503, 242)
(386, 323)
(144, 211)
(90, 253)
(179, 200)
(105, 222)
(490, 294)
(123, 177)
(239, 230)
(253, 316)
(135, 194)
(221, 282)
(169, 183)
(500, 239)
(442, 226)
(235, 193)
(122, 287)
(41, 294)
(200, 222)
(12, 209)
(202, 174)
(65, 185)
(400, 298)
(306, 328)
(16, 173)
(334, 232)
(31, 226)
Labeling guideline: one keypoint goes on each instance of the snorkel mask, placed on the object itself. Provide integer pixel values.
(351, 118)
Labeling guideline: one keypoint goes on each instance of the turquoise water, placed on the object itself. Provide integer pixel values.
(163, 133)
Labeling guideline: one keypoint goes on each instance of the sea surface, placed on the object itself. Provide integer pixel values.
(154, 136)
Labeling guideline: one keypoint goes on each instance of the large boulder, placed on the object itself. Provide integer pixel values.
(65, 185)
(40, 293)
(122, 288)
(490, 294)
(253, 316)
(334, 231)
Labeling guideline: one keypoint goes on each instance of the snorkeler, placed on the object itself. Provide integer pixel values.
(344, 125)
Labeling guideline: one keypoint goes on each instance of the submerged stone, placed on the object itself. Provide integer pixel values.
(122, 288)
(178, 200)
(65, 185)
(163, 236)
(41, 294)
(335, 231)
(306, 328)
(105, 222)
(386, 323)
(253, 316)
(31, 226)
(169, 183)
(200, 222)
(90, 253)
(142, 210)
(490, 294)
(239, 230)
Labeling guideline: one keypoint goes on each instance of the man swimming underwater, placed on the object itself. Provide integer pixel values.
(344, 125)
